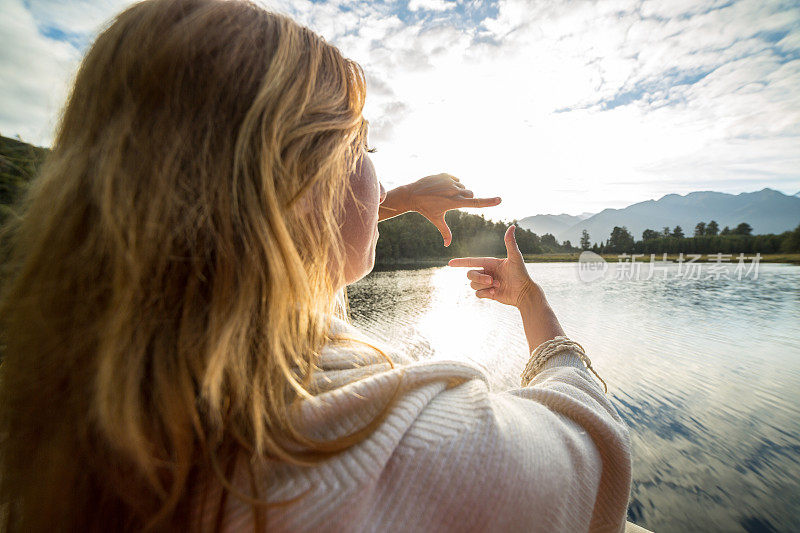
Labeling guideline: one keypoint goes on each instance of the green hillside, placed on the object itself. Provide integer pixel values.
(19, 162)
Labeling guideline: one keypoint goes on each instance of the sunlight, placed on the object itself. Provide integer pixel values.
(459, 326)
(451, 323)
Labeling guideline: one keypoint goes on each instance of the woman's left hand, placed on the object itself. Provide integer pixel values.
(433, 196)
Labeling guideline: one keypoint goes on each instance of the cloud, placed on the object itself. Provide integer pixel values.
(557, 106)
(430, 5)
(383, 126)
(34, 75)
(79, 19)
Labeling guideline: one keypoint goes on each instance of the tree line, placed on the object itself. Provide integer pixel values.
(707, 239)
(407, 237)
(19, 162)
(412, 236)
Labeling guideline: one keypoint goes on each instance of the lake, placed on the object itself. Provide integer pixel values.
(705, 370)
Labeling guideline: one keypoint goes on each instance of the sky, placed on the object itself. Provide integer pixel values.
(557, 106)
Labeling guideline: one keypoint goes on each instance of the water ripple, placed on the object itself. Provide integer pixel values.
(705, 372)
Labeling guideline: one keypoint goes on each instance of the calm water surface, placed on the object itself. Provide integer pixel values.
(705, 372)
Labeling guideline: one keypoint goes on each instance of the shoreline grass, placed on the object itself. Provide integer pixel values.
(789, 258)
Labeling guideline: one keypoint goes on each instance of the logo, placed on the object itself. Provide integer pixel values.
(591, 267)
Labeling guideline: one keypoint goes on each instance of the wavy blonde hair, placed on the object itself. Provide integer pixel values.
(164, 300)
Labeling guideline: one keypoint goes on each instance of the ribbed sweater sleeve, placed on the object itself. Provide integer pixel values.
(553, 456)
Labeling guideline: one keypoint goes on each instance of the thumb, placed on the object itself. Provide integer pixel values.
(511, 244)
(444, 229)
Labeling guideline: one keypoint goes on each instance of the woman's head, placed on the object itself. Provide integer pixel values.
(165, 296)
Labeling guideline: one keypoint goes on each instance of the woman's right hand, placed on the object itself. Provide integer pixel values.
(503, 280)
(507, 281)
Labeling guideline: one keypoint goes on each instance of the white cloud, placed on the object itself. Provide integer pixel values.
(81, 17)
(487, 111)
(430, 5)
(34, 75)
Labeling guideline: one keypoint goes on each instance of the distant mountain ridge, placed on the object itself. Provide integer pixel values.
(767, 211)
(551, 224)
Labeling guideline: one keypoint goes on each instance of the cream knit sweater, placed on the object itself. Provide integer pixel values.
(449, 455)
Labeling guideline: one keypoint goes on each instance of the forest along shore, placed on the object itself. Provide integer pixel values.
(403, 264)
(411, 241)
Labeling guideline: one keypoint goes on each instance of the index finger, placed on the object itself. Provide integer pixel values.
(481, 202)
(475, 262)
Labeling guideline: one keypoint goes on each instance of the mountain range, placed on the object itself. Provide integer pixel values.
(767, 211)
(552, 224)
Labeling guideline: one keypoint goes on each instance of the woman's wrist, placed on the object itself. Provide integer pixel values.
(530, 298)
(538, 319)
(397, 202)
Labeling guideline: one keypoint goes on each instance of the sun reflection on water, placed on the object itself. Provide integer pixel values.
(463, 327)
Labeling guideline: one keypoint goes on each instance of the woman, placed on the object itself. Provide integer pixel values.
(171, 356)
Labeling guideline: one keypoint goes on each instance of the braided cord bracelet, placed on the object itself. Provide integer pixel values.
(553, 347)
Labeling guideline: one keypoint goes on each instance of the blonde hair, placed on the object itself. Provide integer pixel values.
(164, 301)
